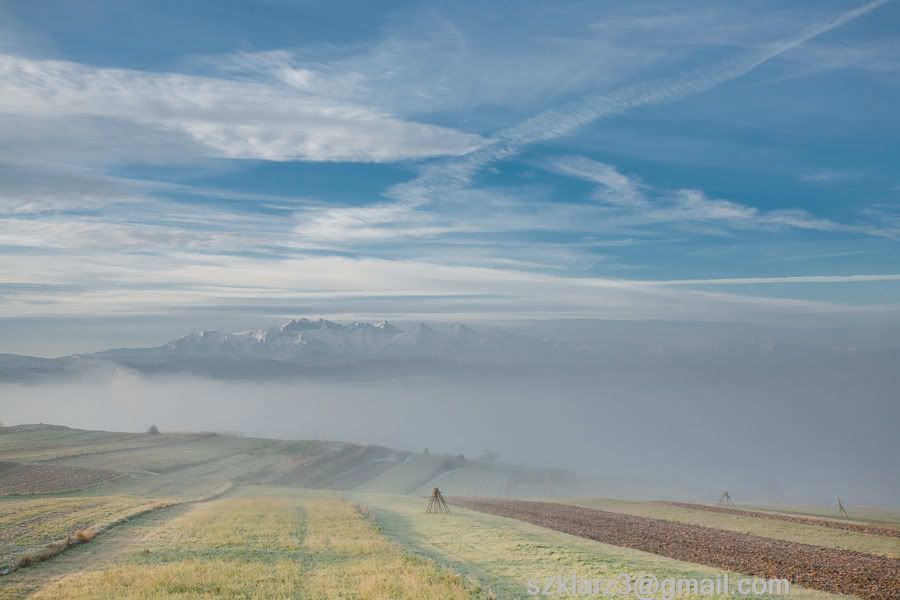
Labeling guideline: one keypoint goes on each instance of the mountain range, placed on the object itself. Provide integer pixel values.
(361, 350)
(310, 347)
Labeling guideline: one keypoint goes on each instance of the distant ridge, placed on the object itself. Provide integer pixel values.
(313, 348)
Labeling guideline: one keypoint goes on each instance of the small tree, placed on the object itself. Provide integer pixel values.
(425, 452)
(153, 430)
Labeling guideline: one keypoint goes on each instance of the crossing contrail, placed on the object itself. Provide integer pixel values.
(454, 173)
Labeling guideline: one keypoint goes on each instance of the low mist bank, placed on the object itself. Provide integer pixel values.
(804, 432)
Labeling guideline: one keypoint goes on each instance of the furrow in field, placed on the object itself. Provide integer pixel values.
(259, 543)
(801, 533)
(820, 522)
(826, 569)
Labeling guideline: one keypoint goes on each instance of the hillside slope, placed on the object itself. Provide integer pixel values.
(50, 458)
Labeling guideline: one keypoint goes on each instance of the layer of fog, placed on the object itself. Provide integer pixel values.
(688, 426)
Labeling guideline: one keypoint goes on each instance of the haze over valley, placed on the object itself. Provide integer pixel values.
(418, 300)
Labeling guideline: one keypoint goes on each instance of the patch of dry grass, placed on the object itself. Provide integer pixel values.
(266, 544)
(349, 558)
(79, 536)
(184, 579)
(243, 525)
(50, 444)
(34, 530)
(166, 458)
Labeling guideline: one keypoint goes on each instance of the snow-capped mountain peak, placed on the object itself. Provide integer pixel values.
(304, 324)
(382, 327)
(320, 341)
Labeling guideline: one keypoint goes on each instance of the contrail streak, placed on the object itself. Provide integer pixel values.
(454, 173)
(777, 280)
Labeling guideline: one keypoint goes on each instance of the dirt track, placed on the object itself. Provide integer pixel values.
(819, 522)
(827, 569)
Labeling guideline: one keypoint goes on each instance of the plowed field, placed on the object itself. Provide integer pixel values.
(827, 569)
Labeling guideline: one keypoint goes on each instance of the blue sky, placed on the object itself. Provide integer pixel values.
(448, 160)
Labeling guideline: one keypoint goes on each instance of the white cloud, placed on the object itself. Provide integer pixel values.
(444, 177)
(799, 279)
(227, 118)
(875, 56)
(53, 285)
(801, 219)
(612, 186)
(154, 255)
(640, 204)
(694, 205)
(428, 63)
(382, 221)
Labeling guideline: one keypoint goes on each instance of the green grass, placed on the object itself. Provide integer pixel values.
(265, 543)
(418, 469)
(53, 444)
(502, 554)
(27, 526)
(781, 530)
(285, 542)
(165, 459)
(176, 487)
(472, 479)
(875, 516)
(421, 472)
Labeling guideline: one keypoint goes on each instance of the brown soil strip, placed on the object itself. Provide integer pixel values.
(30, 478)
(826, 569)
(821, 522)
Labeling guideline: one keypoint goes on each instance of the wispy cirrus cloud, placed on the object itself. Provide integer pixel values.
(445, 177)
(451, 95)
(220, 117)
(54, 285)
(877, 57)
(797, 279)
(638, 203)
(612, 186)
(560, 121)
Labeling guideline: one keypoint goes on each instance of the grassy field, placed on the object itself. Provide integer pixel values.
(265, 543)
(268, 537)
(197, 456)
(781, 530)
(502, 554)
(419, 473)
(38, 478)
(415, 471)
(52, 444)
(168, 458)
(862, 514)
(28, 525)
(473, 479)
(176, 488)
